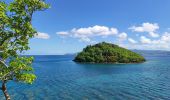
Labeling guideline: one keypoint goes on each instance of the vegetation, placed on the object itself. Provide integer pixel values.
(108, 53)
(15, 31)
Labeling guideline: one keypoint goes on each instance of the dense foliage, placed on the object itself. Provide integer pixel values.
(108, 53)
(15, 31)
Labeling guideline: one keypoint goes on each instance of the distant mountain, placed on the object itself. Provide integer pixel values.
(108, 53)
(152, 52)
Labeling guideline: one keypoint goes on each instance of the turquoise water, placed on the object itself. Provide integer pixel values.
(59, 78)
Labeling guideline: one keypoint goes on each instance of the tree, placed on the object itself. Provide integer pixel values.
(108, 53)
(15, 31)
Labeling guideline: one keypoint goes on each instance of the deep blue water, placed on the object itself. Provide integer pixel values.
(59, 78)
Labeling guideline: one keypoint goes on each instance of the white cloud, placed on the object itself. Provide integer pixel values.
(89, 34)
(147, 27)
(145, 40)
(162, 43)
(95, 31)
(165, 37)
(62, 33)
(122, 36)
(41, 35)
(154, 35)
(132, 41)
(84, 34)
(85, 39)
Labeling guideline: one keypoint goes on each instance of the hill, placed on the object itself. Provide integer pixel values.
(108, 53)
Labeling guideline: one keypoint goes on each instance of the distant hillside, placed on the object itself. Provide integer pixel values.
(152, 52)
(108, 53)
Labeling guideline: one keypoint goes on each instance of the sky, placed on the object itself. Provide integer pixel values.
(70, 25)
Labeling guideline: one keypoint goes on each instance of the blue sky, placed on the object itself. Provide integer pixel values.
(69, 25)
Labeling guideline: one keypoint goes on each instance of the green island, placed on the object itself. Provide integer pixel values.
(107, 53)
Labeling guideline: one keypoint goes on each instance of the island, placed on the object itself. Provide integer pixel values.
(107, 53)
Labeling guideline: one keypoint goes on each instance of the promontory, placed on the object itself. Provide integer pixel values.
(107, 53)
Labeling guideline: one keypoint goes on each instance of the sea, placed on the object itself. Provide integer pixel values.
(59, 78)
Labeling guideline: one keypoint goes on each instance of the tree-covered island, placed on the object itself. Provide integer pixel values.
(107, 53)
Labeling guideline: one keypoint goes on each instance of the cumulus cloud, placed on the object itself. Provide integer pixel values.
(41, 35)
(147, 27)
(152, 42)
(62, 33)
(132, 41)
(84, 34)
(162, 43)
(122, 36)
(95, 31)
(165, 37)
(85, 39)
(152, 34)
(145, 40)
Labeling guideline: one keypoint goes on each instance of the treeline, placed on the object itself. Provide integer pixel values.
(108, 53)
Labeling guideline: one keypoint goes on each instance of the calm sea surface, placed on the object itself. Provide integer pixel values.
(59, 78)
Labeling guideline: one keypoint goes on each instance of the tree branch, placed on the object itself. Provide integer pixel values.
(2, 62)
